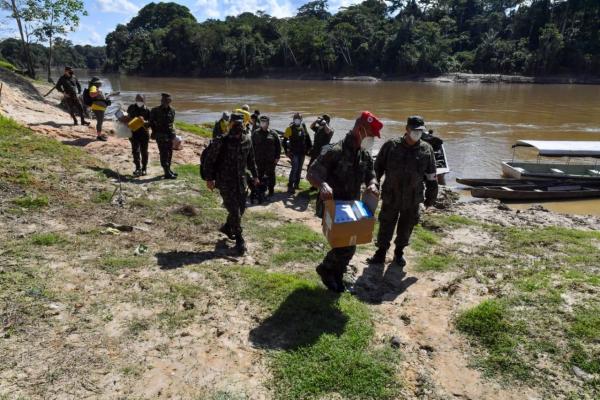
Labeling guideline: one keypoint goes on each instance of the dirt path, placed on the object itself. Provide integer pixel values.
(415, 308)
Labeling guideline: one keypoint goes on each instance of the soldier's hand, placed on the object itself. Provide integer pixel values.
(210, 185)
(373, 189)
(326, 192)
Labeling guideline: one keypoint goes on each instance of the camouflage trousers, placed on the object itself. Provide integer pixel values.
(337, 260)
(235, 204)
(393, 217)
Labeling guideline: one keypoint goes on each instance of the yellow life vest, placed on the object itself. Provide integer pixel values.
(97, 104)
(245, 113)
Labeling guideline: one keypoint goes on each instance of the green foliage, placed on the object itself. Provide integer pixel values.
(436, 262)
(114, 264)
(199, 130)
(398, 38)
(325, 341)
(31, 202)
(47, 239)
(102, 197)
(7, 65)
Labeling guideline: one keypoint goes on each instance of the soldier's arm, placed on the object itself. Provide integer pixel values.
(251, 162)
(370, 178)
(277, 145)
(317, 173)
(171, 122)
(431, 184)
(210, 167)
(59, 84)
(381, 161)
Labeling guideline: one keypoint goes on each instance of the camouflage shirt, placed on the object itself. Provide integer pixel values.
(406, 169)
(227, 161)
(161, 122)
(321, 139)
(344, 168)
(267, 146)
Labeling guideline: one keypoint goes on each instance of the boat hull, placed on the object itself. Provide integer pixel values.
(525, 170)
(527, 194)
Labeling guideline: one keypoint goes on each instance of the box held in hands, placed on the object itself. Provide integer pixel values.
(348, 223)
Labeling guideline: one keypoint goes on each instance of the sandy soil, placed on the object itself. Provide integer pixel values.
(415, 307)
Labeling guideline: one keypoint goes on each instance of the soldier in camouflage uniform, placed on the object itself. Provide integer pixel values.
(267, 150)
(323, 135)
(338, 173)
(408, 164)
(162, 119)
(296, 143)
(69, 86)
(225, 167)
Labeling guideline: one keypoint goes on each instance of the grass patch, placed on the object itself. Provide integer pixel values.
(136, 326)
(31, 202)
(47, 239)
(200, 130)
(488, 323)
(115, 264)
(436, 262)
(322, 341)
(422, 239)
(102, 197)
(7, 65)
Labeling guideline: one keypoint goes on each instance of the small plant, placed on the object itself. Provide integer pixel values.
(31, 202)
(47, 239)
(102, 197)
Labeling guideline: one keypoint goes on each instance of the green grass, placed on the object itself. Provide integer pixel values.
(47, 239)
(136, 326)
(488, 323)
(422, 239)
(102, 197)
(435, 262)
(115, 264)
(323, 343)
(9, 66)
(31, 202)
(200, 130)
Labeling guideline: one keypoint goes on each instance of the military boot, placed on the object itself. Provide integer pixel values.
(240, 245)
(168, 174)
(399, 257)
(327, 277)
(226, 230)
(378, 257)
(84, 122)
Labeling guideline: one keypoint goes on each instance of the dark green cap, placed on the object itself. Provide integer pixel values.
(415, 122)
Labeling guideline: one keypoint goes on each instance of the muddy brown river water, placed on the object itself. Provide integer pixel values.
(478, 122)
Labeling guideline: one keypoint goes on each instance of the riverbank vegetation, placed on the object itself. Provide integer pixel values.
(379, 38)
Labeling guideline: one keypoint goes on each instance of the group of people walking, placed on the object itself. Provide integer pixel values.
(245, 151)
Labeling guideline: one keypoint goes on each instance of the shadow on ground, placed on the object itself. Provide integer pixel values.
(378, 284)
(109, 173)
(52, 124)
(300, 320)
(178, 259)
(80, 142)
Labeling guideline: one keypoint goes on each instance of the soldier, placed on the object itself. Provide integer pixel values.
(225, 168)
(221, 126)
(338, 173)
(99, 104)
(69, 86)
(408, 164)
(323, 135)
(140, 138)
(161, 122)
(297, 143)
(267, 150)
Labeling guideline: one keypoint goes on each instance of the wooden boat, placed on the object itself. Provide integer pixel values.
(477, 182)
(554, 191)
(553, 170)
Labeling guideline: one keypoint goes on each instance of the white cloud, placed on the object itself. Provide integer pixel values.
(224, 8)
(335, 5)
(118, 6)
(209, 8)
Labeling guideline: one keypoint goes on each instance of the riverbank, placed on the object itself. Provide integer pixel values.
(147, 299)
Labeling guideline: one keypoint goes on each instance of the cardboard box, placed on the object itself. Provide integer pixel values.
(343, 228)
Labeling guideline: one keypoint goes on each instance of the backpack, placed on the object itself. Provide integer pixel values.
(211, 147)
(87, 99)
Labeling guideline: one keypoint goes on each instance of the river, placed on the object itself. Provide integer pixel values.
(478, 122)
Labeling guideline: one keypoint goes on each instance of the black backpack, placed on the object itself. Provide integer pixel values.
(87, 99)
(203, 155)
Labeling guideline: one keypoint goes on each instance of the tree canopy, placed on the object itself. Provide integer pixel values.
(393, 38)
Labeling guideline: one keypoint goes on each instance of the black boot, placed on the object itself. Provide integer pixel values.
(327, 277)
(240, 245)
(226, 230)
(378, 257)
(399, 258)
(168, 174)
(138, 170)
(171, 171)
(84, 122)
(75, 122)
(144, 173)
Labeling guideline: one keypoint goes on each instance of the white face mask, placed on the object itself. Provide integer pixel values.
(139, 104)
(264, 125)
(297, 122)
(367, 143)
(415, 135)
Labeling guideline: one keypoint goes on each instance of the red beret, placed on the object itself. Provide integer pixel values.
(373, 121)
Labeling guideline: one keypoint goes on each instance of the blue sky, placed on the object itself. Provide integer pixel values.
(104, 15)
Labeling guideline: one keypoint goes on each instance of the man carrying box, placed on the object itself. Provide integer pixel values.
(338, 173)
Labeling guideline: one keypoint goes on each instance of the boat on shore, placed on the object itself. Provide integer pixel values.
(540, 191)
(555, 170)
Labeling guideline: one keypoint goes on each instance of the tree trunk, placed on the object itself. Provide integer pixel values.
(24, 42)
(50, 60)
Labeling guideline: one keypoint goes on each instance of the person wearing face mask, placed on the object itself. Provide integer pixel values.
(225, 169)
(140, 138)
(297, 144)
(69, 86)
(408, 164)
(162, 119)
(339, 173)
(267, 150)
(221, 126)
(323, 135)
